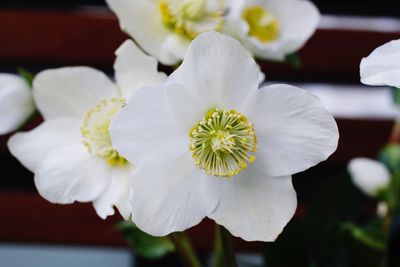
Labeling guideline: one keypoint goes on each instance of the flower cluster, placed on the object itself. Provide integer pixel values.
(205, 141)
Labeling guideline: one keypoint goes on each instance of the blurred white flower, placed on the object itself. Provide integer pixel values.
(71, 153)
(370, 176)
(382, 66)
(272, 29)
(164, 28)
(209, 144)
(382, 209)
(16, 102)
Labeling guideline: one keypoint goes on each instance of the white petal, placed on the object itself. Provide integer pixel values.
(184, 105)
(293, 128)
(218, 70)
(255, 207)
(30, 148)
(141, 19)
(70, 91)
(16, 102)
(71, 174)
(370, 176)
(172, 197)
(382, 66)
(145, 130)
(134, 69)
(117, 194)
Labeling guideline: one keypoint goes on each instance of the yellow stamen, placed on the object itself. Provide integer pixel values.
(223, 143)
(95, 133)
(262, 24)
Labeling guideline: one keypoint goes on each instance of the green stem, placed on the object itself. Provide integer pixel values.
(224, 253)
(185, 249)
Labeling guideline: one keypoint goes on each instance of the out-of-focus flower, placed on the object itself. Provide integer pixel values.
(164, 28)
(370, 176)
(208, 143)
(16, 102)
(382, 66)
(71, 153)
(382, 209)
(272, 29)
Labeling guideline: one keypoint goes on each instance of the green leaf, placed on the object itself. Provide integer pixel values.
(390, 156)
(396, 95)
(371, 235)
(143, 244)
(26, 75)
(294, 60)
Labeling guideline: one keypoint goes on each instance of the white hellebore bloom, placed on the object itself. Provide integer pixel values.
(71, 153)
(16, 102)
(209, 144)
(370, 176)
(272, 29)
(164, 28)
(382, 66)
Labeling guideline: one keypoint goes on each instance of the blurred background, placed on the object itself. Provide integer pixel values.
(41, 34)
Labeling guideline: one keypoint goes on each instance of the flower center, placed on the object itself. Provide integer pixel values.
(95, 133)
(223, 143)
(262, 24)
(189, 18)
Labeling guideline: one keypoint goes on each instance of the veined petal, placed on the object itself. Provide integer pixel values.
(382, 66)
(30, 148)
(293, 128)
(370, 176)
(145, 130)
(16, 102)
(71, 174)
(134, 69)
(255, 207)
(70, 91)
(218, 70)
(172, 197)
(142, 20)
(116, 194)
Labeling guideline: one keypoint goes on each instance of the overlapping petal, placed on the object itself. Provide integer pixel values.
(172, 197)
(382, 66)
(134, 69)
(71, 91)
(294, 130)
(71, 174)
(145, 130)
(116, 194)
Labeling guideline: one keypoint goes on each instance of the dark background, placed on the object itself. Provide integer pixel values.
(350, 7)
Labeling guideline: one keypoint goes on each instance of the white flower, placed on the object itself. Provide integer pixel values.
(71, 153)
(382, 209)
(164, 28)
(272, 29)
(382, 66)
(370, 176)
(16, 102)
(209, 144)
